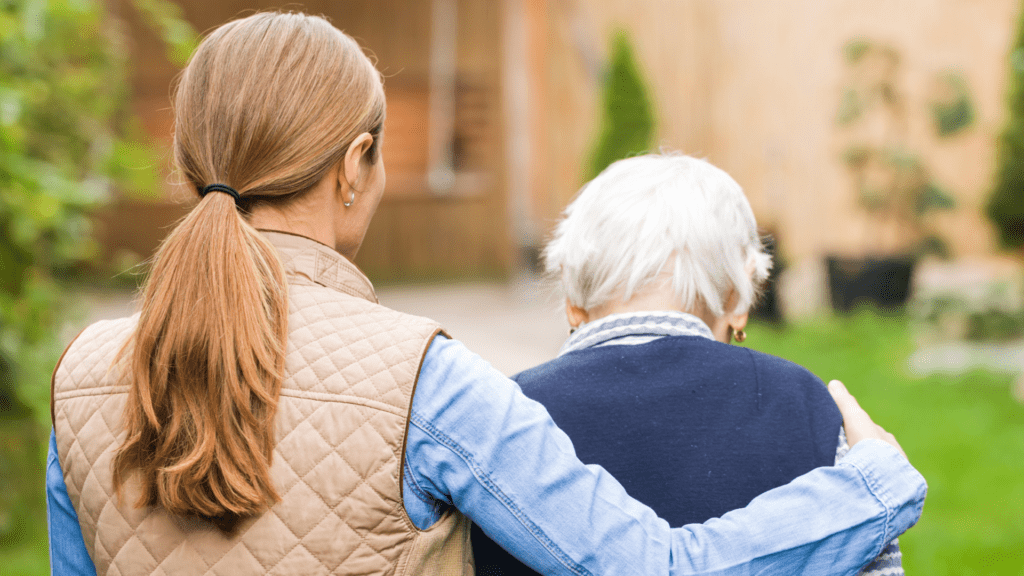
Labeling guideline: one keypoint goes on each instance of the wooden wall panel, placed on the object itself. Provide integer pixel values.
(415, 233)
(451, 238)
(753, 85)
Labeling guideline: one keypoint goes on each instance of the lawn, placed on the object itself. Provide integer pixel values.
(965, 434)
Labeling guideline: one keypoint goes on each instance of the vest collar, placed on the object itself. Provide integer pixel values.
(306, 258)
(650, 325)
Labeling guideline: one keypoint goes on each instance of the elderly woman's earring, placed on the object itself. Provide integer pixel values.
(349, 203)
(739, 335)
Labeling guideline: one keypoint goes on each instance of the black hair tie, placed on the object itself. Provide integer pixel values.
(220, 188)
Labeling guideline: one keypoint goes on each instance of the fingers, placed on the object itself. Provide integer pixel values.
(856, 421)
(841, 395)
(888, 437)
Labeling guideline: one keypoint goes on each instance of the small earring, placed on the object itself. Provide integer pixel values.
(349, 203)
(572, 330)
(739, 335)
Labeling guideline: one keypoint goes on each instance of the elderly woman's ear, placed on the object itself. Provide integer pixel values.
(737, 324)
(575, 315)
(731, 324)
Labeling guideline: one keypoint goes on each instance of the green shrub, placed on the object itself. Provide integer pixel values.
(627, 118)
(67, 140)
(1006, 206)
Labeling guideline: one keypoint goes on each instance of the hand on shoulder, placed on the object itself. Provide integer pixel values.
(856, 421)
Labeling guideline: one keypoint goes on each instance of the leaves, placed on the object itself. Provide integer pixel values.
(854, 50)
(850, 107)
(627, 124)
(933, 197)
(955, 111)
(178, 35)
(891, 181)
(67, 139)
(1006, 205)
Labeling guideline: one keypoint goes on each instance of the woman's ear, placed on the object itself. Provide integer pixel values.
(739, 321)
(575, 315)
(353, 165)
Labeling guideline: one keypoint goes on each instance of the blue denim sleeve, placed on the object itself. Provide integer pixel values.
(477, 443)
(67, 546)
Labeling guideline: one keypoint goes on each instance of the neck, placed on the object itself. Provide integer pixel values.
(311, 215)
(660, 297)
(656, 297)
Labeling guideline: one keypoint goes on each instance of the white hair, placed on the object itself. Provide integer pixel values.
(654, 213)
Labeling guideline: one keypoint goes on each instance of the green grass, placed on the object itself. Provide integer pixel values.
(965, 434)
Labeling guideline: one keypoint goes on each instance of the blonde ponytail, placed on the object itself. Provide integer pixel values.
(206, 367)
(267, 105)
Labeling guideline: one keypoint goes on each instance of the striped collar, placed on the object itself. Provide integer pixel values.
(635, 328)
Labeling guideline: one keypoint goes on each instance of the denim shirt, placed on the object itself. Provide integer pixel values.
(477, 443)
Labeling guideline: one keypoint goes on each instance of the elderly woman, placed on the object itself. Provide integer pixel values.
(660, 261)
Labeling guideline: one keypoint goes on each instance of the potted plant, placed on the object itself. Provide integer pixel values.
(892, 182)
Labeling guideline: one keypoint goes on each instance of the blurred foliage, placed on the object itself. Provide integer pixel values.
(994, 315)
(67, 140)
(953, 112)
(166, 17)
(892, 181)
(1006, 206)
(627, 120)
(854, 50)
(993, 324)
(963, 433)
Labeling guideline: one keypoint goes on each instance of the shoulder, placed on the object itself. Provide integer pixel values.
(561, 369)
(313, 304)
(780, 380)
(774, 369)
(88, 356)
(99, 342)
(117, 328)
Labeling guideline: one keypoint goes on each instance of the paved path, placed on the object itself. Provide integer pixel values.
(513, 326)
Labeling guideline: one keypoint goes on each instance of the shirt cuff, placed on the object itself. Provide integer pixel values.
(896, 485)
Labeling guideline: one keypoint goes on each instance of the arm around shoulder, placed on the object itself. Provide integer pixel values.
(476, 442)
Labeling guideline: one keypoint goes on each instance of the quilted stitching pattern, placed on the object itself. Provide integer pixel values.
(351, 366)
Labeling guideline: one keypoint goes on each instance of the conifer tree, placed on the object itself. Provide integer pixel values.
(627, 118)
(1006, 206)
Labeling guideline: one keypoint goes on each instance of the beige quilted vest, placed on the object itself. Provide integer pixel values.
(341, 422)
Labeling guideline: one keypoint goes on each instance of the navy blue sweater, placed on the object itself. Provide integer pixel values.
(691, 427)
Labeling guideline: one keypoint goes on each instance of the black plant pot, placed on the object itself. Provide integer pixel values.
(883, 282)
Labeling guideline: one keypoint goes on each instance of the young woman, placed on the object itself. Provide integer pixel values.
(263, 414)
(659, 260)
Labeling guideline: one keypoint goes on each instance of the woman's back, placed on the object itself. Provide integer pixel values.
(350, 370)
